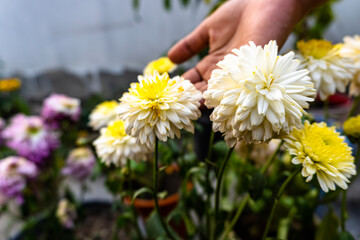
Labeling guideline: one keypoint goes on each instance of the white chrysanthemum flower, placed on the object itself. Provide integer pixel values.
(322, 151)
(114, 146)
(102, 114)
(351, 49)
(159, 106)
(257, 95)
(328, 69)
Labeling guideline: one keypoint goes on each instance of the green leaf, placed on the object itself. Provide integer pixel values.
(189, 224)
(141, 191)
(167, 4)
(174, 146)
(162, 168)
(328, 227)
(257, 184)
(136, 4)
(162, 195)
(185, 2)
(153, 226)
(346, 236)
(124, 219)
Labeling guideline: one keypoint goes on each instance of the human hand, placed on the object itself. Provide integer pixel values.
(234, 24)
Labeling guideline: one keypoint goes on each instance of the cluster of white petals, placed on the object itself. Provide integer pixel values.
(114, 146)
(103, 114)
(351, 49)
(258, 95)
(328, 69)
(159, 106)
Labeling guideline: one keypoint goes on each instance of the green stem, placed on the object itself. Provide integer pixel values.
(236, 217)
(354, 106)
(326, 110)
(276, 201)
(343, 211)
(155, 186)
(357, 157)
(343, 217)
(129, 176)
(207, 182)
(218, 186)
(137, 228)
(272, 158)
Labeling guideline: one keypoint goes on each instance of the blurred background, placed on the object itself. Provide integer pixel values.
(97, 47)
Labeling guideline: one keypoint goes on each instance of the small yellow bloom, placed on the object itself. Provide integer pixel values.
(161, 65)
(322, 151)
(102, 114)
(9, 84)
(113, 146)
(352, 127)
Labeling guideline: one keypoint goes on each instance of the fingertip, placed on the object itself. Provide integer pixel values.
(175, 52)
(193, 75)
(201, 86)
(189, 45)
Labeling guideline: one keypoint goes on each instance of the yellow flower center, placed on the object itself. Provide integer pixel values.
(116, 129)
(316, 48)
(323, 145)
(153, 91)
(32, 130)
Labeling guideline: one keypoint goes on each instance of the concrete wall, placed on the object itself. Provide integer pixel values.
(92, 42)
(86, 35)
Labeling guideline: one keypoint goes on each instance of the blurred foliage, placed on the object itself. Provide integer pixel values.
(314, 25)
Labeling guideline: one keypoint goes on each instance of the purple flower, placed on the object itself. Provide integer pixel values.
(58, 107)
(14, 171)
(79, 163)
(30, 137)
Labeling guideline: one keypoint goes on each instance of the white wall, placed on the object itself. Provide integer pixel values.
(85, 35)
(89, 34)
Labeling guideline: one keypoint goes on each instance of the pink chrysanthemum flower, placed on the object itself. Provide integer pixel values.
(79, 163)
(14, 171)
(58, 107)
(30, 137)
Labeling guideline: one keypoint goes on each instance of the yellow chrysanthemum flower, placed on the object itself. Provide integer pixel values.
(161, 65)
(114, 146)
(328, 69)
(159, 106)
(102, 114)
(9, 84)
(322, 151)
(352, 127)
(351, 49)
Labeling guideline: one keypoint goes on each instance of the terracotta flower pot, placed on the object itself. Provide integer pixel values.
(145, 206)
